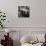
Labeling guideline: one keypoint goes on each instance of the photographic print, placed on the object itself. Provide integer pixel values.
(23, 11)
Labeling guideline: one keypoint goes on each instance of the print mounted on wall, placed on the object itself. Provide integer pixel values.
(23, 11)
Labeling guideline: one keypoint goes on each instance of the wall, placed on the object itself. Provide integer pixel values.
(37, 16)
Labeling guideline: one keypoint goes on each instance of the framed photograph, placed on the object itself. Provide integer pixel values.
(23, 11)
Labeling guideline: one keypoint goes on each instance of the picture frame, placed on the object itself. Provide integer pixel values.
(23, 11)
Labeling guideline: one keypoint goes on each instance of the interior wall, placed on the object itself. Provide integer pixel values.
(37, 16)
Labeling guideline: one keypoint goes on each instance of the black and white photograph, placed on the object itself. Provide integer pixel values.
(23, 11)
